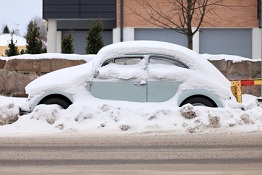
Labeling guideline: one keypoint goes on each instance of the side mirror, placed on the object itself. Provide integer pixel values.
(96, 74)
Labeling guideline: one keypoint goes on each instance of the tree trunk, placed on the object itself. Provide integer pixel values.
(190, 42)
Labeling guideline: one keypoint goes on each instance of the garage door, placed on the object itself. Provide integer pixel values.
(80, 40)
(226, 41)
(161, 35)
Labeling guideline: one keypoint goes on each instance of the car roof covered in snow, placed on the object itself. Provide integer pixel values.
(192, 59)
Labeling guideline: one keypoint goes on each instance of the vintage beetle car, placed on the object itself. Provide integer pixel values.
(136, 71)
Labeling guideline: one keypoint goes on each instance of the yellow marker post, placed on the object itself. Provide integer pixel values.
(236, 90)
(257, 81)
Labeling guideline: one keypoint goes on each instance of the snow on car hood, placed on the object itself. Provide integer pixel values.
(61, 79)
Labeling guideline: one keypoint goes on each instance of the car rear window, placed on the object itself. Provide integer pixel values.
(166, 61)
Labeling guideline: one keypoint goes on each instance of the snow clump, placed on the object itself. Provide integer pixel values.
(8, 114)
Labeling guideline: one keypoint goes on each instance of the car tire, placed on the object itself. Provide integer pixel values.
(62, 102)
(199, 101)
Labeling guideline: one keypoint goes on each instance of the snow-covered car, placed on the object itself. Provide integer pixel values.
(136, 71)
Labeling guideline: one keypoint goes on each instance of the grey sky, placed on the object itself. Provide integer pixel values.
(17, 13)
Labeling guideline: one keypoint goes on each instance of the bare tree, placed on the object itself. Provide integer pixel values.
(42, 27)
(177, 15)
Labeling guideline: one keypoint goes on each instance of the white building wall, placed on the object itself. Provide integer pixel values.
(256, 43)
(116, 35)
(196, 42)
(52, 36)
(59, 42)
(128, 34)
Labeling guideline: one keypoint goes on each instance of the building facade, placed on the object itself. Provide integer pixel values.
(76, 17)
(234, 29)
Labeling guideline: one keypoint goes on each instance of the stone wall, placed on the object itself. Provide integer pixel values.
(15, 74)
(239, 71)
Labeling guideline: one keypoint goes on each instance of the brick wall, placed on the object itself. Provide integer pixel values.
(234, 13)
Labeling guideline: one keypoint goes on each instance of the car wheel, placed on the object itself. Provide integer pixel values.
(63, 102)
(199, 101)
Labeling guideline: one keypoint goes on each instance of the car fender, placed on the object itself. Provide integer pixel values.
(34, 101)
(202, 92)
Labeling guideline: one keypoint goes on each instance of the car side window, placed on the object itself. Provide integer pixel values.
(166, 61)
(123, 68)
(123, 61)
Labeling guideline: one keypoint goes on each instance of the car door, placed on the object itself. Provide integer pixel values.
(121, 78)
(164, 77)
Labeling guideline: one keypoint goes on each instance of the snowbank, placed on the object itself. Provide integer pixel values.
(234, 58)
(106, 116)
(87, 58)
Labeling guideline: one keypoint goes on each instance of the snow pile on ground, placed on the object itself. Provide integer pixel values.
(9, 114)
(106, 116)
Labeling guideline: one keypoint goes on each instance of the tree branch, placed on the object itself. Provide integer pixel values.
(177, 15)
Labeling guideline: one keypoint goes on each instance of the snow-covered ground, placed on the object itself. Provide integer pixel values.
(99, 117)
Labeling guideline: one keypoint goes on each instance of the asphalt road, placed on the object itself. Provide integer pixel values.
(146, 153)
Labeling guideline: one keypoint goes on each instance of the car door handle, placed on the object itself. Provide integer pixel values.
(141, 83)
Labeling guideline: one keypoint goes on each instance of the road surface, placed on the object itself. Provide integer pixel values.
(141, 153)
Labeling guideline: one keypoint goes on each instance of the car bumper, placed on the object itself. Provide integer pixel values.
(24, 111)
